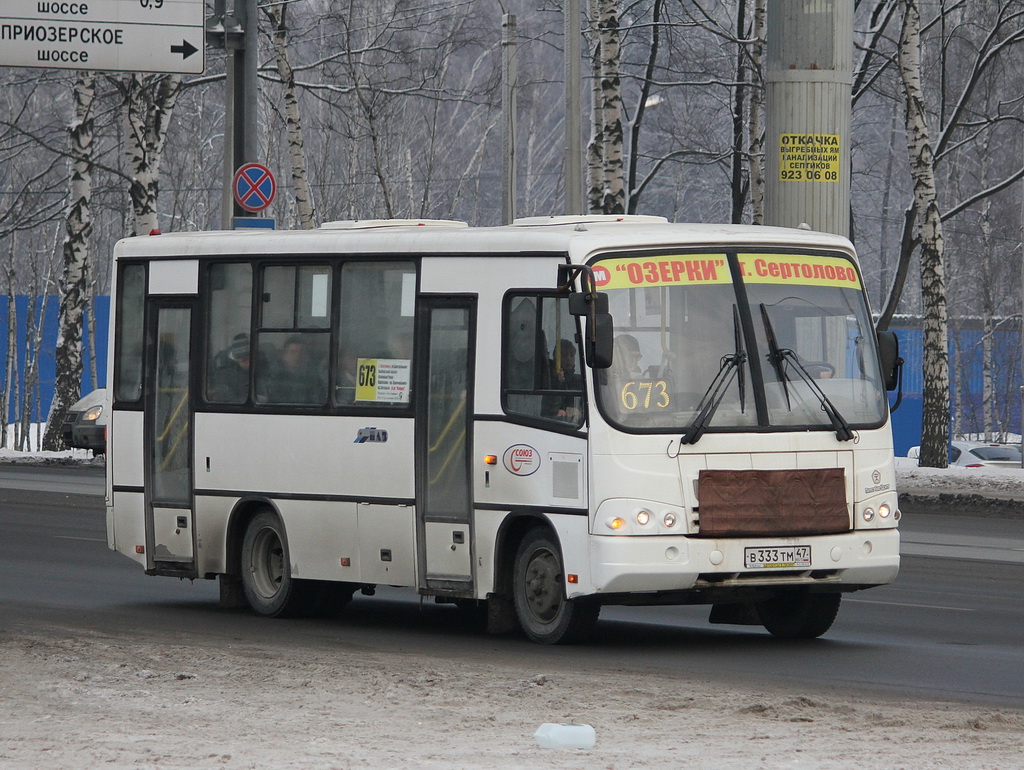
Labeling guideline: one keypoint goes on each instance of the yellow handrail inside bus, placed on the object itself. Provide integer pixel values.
(456, 445)
(171, 420)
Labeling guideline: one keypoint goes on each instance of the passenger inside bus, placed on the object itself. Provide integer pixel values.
(229, 380)
(295, 379)
(568, 407)
(626, 356)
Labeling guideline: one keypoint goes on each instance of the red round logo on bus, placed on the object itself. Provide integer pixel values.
(521, 460)
(601, 276)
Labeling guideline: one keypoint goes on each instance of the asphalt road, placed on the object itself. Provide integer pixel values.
(949, 628)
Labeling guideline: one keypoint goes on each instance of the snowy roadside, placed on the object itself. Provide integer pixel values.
(84, 699)
(971, 491)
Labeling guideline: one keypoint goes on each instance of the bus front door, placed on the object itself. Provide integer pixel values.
(443, 469)
(170, 540)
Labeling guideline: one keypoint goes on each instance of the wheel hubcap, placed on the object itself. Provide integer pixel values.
(267, 563)
(543, 586)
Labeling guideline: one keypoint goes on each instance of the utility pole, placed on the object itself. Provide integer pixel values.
(573, 101)
(807, 114)
(236, 32)
(508, 109)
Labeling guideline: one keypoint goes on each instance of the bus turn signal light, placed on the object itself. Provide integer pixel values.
(491, 459)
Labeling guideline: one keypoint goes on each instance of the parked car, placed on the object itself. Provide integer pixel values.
(85, 423)
(979, 454)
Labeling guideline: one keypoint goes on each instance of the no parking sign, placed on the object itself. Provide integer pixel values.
(254, 187)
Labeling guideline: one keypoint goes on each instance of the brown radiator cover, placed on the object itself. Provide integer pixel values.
(784, 502)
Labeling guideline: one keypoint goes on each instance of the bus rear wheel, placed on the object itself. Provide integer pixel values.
(798, 614)
(266, 571)
(538, 592)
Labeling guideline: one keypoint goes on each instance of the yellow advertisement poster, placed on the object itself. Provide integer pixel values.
(799, 269)
(669, 270)
(809, 158)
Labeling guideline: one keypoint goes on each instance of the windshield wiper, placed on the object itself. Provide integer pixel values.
(779, 357)
(730, 368)
(775, 355)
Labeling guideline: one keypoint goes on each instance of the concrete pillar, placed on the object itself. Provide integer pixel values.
(809, 78)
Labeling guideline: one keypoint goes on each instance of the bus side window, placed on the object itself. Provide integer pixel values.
(541, 376)
(227, 337)
(130, 310)
(375, 339)
(291, 363)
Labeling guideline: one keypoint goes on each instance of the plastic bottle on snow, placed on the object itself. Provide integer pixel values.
(565, 736)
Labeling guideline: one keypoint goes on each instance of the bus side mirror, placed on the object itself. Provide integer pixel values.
(599, 343)
(598, 338)
(889, 356)
(892, 364)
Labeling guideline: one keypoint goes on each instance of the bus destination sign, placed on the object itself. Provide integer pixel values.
(163, 36)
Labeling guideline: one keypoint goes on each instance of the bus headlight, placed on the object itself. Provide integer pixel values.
(669, 519)
(643, 517)
(869, 514)
(884, 510)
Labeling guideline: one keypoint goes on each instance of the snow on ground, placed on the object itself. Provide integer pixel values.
(996, 483)
(88, 700)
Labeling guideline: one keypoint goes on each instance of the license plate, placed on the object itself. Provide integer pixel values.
(777, 557)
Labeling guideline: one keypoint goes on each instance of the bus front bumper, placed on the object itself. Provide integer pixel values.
(632, 564)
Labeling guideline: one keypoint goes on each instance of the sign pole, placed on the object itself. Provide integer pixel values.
(508, 108)
(573, 102)
(237, 33)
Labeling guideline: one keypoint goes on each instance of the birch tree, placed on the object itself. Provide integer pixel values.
(606, 194)
(9, 393)
(75, 254)
(755, 115)
(935, 405)
(293, 118)
(149, 105)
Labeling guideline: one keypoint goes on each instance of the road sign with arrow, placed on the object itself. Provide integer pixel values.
(118, 35)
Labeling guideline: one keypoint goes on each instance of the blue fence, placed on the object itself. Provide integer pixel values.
(966, 372)
(47, 308)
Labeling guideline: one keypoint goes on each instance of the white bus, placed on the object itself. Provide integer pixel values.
(545, 417)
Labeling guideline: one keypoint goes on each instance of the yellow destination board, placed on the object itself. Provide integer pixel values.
(712, 269)
(662, 270)
(800, 269)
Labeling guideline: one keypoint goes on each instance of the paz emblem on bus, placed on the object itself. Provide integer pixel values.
(521, 460)
(365, 435)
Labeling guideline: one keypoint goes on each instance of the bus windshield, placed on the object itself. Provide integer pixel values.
(788, 345)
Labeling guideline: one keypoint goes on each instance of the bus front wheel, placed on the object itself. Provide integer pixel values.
(538, 592)
(798, 614)
(269, 586)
